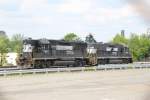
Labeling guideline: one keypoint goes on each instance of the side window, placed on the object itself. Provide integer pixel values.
(115, 49)
(108, 49)
(27, 48)
(45, 47)
(121, 50)
(126, 50)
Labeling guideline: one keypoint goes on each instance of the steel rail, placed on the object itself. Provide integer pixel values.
(17, 71)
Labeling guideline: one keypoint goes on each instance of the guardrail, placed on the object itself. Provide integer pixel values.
(74, 69)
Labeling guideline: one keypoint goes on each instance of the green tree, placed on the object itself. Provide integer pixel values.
(90, 39)
(120, 39)
(16, 43)
(134, 46)
(139, 45)
(71, 37)
(4, 45)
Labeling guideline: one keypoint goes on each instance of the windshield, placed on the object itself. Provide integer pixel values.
(27, 48)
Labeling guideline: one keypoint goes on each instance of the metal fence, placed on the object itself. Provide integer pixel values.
(15, 71)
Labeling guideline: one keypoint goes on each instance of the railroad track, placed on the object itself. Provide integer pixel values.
(14, 71)
(4, 68)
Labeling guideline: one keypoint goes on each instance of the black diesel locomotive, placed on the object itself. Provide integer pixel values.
(44, 53)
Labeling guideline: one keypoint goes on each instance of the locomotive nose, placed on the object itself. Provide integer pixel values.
(20, 60)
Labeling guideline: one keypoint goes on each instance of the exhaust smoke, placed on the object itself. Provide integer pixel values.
(142, 7)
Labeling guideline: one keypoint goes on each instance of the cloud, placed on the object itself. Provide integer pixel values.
(142, 7)
(74, 6)
(9, 5)
(109, 15)
(85, 11)
(80, 16)
(6, 2)
(32, 7)
(92, 12)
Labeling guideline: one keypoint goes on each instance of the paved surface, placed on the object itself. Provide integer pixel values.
(131, 84)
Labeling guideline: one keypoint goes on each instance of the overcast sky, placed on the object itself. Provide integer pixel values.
(52, 19)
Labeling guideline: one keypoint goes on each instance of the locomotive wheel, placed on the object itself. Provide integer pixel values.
(37, 64)
(78, 63)
(49, 64)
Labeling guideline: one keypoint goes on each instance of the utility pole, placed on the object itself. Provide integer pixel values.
(123, 33)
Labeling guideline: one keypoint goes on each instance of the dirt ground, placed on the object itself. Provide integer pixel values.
(133, 84)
